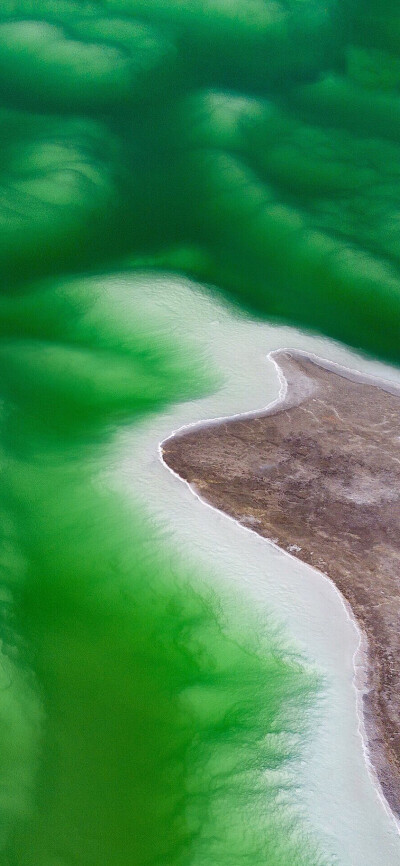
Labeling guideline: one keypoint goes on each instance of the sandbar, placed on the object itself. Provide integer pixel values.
(318, 473)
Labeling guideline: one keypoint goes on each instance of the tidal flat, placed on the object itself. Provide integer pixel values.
(335, 789)
(319, 473)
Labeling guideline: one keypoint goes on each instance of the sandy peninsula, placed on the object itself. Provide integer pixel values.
(318, 473)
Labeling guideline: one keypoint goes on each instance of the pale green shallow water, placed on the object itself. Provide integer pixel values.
(252, 145)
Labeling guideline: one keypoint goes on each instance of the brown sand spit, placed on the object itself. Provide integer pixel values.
(319, 473)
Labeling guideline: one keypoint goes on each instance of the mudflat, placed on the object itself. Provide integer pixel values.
(318, 473)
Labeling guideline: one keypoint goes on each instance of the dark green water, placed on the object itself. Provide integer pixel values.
(251, 145)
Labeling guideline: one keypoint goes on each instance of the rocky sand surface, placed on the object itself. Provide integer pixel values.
(318, 473)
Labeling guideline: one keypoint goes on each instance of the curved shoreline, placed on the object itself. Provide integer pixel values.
(289, 398)
(359, 670)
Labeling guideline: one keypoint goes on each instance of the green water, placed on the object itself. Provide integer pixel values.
(251, 145)
(145, 709)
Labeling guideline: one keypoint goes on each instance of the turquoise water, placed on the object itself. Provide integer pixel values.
(253, 146)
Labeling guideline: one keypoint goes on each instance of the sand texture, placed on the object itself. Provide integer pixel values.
(319, 474)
